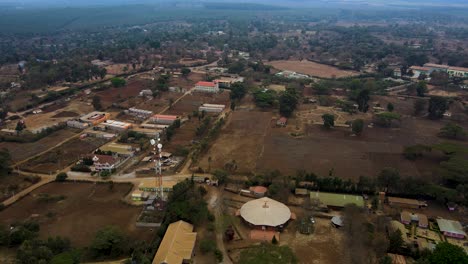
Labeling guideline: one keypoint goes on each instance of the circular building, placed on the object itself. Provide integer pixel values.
(265, 212)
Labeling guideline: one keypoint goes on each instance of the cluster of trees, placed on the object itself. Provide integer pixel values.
(170, 130)
(288, 101)
(40, 74)
(161, 84)
(452, 131)
(238, 91)
(452, 171)
(265, 98)
(33, 250)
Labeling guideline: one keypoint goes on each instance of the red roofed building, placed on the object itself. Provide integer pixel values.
(207, 87)
(282, 121)
(258, 191)
(163, 119)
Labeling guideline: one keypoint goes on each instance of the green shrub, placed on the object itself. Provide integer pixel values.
(61, 177)
(207, 245)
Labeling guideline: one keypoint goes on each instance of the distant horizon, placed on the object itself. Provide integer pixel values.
(289, 3)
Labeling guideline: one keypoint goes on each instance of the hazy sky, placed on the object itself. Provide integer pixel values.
(414, 3)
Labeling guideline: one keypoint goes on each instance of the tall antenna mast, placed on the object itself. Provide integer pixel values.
(157, 147)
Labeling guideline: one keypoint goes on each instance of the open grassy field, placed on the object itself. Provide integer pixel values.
(311, 68)
(86, 208)
(63, 156)
(21, 151)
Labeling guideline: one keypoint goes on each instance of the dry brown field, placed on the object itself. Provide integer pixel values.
(312, 68)
(251, 139)
(187, 82)
(117, 68)
(12, 184)
(55, 114)
(192, 62)
(87, 207)
(191, 102)
(63, 156)
(21, 151)
(114, 95)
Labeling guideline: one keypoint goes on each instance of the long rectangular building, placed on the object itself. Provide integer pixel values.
(211, 108)
(207, 87)
(451, 228)
(177, 245)
(163, 119)
(405, 203)
(117, 125)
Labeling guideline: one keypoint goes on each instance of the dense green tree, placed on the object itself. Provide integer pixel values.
(5, 162)
(20, 126)
(118, 82)
(363, 100)
(238, 90)
(265, 98)
(185, 72)
(33, 251)
(58, 244)
(388, 179)
(288, 102)
(328, 120)
(237, 67)
(395, 241)
(322, 88)
(437, 107)
(357, 126)
(109, 241)
(446, 253)
(419, 106)
(220, 175)
(452, 131)
(386, 119)
(62, 176)
(416, 151)
(97, 103)
(390, 107)
(421, 88)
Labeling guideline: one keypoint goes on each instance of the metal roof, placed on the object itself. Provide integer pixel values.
(450, 226)
(265, 212)
(177, 244)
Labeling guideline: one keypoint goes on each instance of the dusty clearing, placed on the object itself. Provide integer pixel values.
(63, 156)
(87, 207)
(191, 102)
(257, 145)
(323, 246)
(54, 114)
(241, 140)
(21, 151)
(12, 184)
(312, 68)
(115, 95)
(118, 68)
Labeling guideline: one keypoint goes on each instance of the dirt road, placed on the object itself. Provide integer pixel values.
(215, 207)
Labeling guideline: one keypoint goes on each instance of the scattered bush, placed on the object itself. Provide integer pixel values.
(61, 177)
